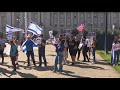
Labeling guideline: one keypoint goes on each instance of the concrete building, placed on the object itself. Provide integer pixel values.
(61, 21)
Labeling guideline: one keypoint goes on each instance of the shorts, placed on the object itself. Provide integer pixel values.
(73, 52)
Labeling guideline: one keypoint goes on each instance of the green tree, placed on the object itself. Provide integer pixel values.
(55, 32)
(75, 32)
(85, 33)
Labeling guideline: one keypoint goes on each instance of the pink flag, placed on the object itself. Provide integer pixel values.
(81, 27)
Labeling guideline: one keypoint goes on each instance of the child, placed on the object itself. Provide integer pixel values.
(59, 57)
(13, 54)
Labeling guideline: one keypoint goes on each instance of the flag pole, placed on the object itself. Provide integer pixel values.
(25, 24)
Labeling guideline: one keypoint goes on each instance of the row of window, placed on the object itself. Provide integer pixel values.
(94, 20)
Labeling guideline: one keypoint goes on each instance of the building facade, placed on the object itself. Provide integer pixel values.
(61, 21)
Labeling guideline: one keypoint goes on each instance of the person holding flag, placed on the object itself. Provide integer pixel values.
(29, 48)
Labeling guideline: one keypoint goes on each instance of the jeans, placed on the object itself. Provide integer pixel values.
(59, 58)
(116, 57)
(32, 56)
(93, 53)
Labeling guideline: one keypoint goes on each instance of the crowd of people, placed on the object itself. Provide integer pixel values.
(64, 45)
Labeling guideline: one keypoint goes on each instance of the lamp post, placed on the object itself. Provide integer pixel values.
(113, 28)
(91, 26)
(106, 49)
(18, 20)
(25, 24)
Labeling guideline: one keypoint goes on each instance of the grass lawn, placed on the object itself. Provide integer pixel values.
(107, 58)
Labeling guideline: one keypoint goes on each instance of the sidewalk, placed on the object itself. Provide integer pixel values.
(80, 70)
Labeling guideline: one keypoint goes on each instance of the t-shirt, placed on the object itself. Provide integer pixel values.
(29, 44)
(72, 45)
(88, 42)
(42, 47)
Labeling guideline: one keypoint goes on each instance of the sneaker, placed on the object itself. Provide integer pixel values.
(54, 71)
(72, 64)
(60, 72)
(40, 65)
(93, 62)
(18, 66)
(113, 64)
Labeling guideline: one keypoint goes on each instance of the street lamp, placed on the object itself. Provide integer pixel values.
(18, 20)
(91, 26)
(113, 28)
(106, 49)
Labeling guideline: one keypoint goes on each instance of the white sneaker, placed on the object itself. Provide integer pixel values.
(113, 64)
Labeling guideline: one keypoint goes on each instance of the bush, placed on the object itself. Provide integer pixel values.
(100, 38)
(75, 32)
(55, 32)
(85, 33)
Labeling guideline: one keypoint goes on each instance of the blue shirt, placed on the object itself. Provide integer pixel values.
(13, 50)
(59, 48)
(29, 45)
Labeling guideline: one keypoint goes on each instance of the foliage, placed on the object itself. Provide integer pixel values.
(75, 32)
(55, 32)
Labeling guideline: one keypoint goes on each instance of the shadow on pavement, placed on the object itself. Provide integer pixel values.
(86, 66)
(68, 73)
(5, 72)
(102, 62)
(43, 68)
(26, 75)
(51, 55)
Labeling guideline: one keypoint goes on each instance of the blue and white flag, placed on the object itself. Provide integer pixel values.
(24, 46)
(25, 50)
(10, 29)
(34, 28)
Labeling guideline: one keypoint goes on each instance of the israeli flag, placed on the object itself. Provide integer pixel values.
(34, 28)
(24, 50)
(10, 29)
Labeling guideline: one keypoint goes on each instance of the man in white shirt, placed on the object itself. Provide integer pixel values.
(88, 44)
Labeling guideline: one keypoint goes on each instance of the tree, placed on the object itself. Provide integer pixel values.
(85, 33)
(55, 32)
(2, 34)
(75, 32)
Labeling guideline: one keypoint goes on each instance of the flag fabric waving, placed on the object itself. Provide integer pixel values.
(81, 27)
(10, 29)
(34, 28)
(24, 47)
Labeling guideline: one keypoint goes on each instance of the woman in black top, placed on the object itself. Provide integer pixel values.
(72, 45)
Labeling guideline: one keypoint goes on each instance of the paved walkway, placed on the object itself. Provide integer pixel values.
(80, 70)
